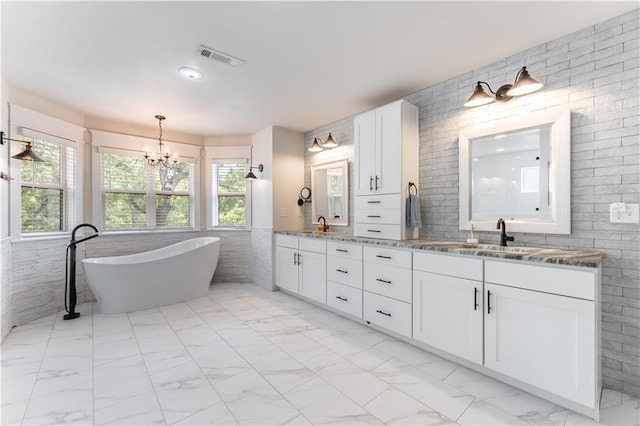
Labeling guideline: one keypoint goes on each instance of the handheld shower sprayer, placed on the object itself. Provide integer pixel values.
(70, 273)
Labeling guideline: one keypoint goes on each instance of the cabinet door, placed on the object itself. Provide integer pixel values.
(313, 276)
(542, 339)
(389, 149)
(447, 314)
(287, 269)
(365, 160)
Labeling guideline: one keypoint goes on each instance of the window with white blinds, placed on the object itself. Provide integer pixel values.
(229, 193)
(136, 196)
(48, 189)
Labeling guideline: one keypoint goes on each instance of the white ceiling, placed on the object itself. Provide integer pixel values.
(307, 63)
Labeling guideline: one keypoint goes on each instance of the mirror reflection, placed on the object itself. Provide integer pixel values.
(330, 192)
(510, 175)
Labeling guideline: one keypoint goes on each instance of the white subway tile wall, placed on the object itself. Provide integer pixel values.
(595, 72)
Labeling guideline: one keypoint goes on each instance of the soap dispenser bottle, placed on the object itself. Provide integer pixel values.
(472, 238)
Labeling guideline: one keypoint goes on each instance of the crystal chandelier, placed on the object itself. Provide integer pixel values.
(163, 158)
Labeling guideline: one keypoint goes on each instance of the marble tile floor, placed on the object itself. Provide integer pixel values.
(243, 355)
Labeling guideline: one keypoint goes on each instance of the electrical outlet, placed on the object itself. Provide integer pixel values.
(284, 212)
(624, 213)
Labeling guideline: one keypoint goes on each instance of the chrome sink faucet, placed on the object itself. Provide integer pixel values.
(325, 227)
(503, 233)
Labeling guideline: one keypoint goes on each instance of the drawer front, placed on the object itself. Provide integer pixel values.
(387, 256)
(388, 216)
(370, 230)
(315, 245)
(346, 250)
(455, 266)
(345, 271)
(565, 282)
(389, 281)
(344, 298)
(388, 313)
(290, 241)
(389, 201)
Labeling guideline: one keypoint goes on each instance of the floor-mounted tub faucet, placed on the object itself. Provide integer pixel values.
(503, 233)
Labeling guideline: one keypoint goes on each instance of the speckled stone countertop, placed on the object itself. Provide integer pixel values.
(589, 259)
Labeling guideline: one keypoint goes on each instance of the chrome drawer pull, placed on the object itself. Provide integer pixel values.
(383, 313)
(373, 230)
(342, 250)
(373, 202)
(375, 216)
(341, 271)
(383, 257)
(383, 281)
(344, 299)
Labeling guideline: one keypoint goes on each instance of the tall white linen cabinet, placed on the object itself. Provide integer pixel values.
(386, 160)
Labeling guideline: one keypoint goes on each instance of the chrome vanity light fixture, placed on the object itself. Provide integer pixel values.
(163, 159)
(523, 85)
(318, 146)
(251, 175)
(27, 154)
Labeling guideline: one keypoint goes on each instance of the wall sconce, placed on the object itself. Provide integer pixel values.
(523, 85)
(250, 175)
(318, 146)
(27, 154)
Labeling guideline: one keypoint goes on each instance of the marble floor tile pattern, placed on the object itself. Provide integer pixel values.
(244, 355)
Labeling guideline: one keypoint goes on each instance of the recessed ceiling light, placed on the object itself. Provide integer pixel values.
(191, 73)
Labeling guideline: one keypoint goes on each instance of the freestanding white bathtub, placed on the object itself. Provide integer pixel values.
(171, 274)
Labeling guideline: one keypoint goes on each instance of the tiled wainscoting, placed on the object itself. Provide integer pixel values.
(245, 355)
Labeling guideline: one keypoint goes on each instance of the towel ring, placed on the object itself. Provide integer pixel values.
(411, 184)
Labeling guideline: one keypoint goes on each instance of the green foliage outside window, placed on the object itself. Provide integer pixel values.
(42, 192)
(230, 188)
(125, 180)
(231, 210)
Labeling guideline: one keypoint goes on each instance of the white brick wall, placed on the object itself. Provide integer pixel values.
(596, 73)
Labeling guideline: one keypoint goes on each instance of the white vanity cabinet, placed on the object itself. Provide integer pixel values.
(344, 277)
(386, 160)
(301, 266)
(387, 288)
(448, 303)
(540, 328)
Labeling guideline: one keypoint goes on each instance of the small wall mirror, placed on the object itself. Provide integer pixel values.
(330, 192)
(518, 171)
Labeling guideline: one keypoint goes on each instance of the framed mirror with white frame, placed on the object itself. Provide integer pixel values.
(330, 192)
(518, 170)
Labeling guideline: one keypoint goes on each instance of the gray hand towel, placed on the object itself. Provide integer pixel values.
(413, 212)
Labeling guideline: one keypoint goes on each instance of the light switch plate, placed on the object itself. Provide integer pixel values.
(284, 212)
(630, 215)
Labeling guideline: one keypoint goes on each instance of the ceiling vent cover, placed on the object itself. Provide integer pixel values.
(208, 52)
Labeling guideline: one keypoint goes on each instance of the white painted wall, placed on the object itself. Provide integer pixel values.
(262, 188)
(288, 178)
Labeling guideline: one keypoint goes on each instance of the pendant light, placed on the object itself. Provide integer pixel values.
(163, 159)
